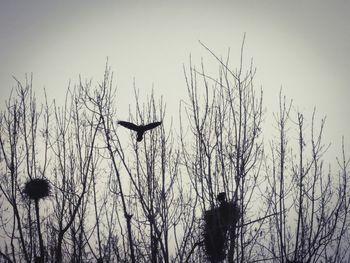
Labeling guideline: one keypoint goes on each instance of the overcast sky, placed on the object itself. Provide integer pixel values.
(302, 46)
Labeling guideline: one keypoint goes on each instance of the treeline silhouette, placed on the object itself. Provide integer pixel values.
(77, 187)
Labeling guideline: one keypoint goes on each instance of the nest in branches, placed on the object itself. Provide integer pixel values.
(218, 221)
(37, 188)
(38, 260)
(293, 261)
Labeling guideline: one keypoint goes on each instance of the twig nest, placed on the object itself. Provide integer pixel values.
(214, 236)
(37, 188)
(218, 221)
(229, 214)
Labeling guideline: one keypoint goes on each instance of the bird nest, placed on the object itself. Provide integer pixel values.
(217, 222)
(37, 188)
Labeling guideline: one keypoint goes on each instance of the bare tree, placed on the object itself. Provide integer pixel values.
(227, 148)
(310, 203)
(21, 140)
(152, 207)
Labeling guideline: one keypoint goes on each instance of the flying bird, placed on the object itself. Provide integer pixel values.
(140, 129)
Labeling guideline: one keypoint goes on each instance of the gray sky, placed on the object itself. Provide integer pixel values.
(302, 46)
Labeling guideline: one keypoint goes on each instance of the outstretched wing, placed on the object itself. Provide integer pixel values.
(129, 125)
(151, 125)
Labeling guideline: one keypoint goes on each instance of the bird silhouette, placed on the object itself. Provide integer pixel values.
(221, 197)
(140, 129)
